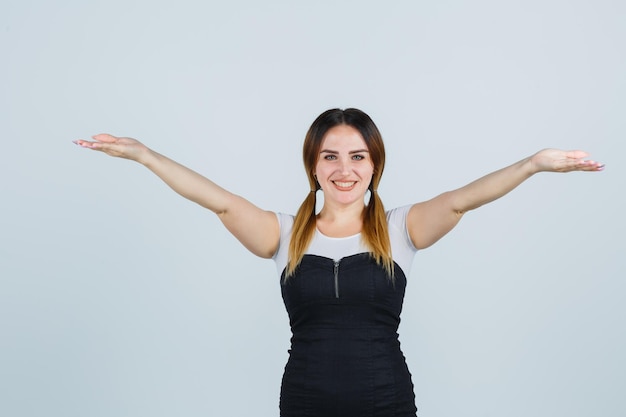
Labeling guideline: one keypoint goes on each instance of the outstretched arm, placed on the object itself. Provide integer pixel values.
(256, 229)
(429, 221)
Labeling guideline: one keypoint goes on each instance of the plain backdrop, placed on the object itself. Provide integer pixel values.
(120, 298)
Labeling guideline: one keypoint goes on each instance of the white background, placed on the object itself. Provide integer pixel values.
(119, 298)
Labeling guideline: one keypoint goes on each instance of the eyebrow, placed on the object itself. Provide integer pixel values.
(351, 152)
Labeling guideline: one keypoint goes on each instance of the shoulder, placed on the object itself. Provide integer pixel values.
(398, 230)
(285, 224)
(285, 221)
(402, 248)
(397, 216)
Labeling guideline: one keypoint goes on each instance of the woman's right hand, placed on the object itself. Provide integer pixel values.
(127, 148)
(256, 229)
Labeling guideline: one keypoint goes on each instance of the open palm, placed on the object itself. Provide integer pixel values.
(556, 160)
(120, 147)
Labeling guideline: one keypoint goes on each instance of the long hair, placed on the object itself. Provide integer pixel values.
(375, 234)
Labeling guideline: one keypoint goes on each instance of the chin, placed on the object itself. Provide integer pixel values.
(347, 200)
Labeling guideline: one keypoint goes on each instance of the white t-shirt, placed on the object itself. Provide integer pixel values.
(402, 249)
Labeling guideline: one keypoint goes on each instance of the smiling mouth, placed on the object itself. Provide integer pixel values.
(344, 184)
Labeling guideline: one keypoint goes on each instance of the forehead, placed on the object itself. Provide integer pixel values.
(343, 137)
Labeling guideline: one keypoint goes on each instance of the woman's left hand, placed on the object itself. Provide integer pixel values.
(556, 160)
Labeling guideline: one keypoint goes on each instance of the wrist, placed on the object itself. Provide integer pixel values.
(147, 157)
(531, 166)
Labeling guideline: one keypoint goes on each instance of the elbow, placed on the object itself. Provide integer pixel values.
(461, 205)
(458, 205)
(460, 211)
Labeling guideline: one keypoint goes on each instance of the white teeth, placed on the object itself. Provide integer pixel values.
(345, 184)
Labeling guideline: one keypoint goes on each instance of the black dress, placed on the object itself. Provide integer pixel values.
(345, 358)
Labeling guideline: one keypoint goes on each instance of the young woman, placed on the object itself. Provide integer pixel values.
(343, 271)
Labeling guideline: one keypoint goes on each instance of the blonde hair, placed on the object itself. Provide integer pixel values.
(375, 234)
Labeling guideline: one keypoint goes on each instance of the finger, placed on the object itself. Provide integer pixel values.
(576, 154)
(84, 143)
(96, 146)
(105, 137)
(588, 165)
(593, 166)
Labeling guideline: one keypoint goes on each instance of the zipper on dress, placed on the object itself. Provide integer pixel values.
(336, 270)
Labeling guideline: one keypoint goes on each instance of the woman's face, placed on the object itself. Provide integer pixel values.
(344, 168)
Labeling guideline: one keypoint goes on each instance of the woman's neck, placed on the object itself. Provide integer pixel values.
(340, 222)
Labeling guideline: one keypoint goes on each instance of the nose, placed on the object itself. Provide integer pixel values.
(345, 167)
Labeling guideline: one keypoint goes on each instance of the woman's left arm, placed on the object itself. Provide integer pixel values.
(430, 220)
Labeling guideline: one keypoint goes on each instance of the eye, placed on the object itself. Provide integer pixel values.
(358, 157)
(330, 157)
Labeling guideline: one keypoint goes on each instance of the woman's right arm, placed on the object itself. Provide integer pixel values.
(256, 229)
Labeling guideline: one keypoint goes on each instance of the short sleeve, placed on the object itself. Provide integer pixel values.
(281, 256)
(402, 248)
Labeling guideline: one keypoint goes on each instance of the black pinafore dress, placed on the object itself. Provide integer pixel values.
(345, 358)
